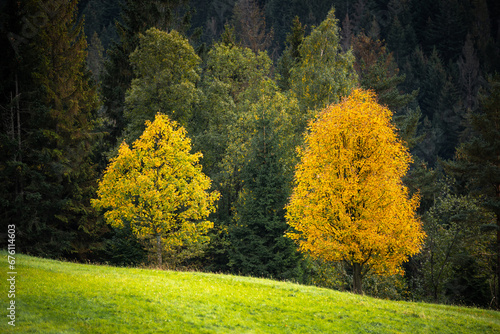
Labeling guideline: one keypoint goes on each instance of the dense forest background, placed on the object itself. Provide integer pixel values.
(240, 80)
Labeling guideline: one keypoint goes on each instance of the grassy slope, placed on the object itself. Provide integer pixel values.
(56, 297)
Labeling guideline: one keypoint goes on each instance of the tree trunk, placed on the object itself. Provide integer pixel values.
(357, 277)
(158, 249)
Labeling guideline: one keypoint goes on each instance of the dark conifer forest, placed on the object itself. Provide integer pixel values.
(244, 79)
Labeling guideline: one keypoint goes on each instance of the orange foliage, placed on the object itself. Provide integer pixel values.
(349, 203)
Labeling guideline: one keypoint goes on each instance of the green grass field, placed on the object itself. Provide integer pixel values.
(59, 297)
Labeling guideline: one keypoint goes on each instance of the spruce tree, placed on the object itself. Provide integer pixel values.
(291, 55)
(50, 172)
(234, 78)
(477, 161)
(446, 28)
(259, 247)
(378, 71)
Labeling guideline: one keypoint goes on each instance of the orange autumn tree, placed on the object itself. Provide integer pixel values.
(158, 188)
(349, 203)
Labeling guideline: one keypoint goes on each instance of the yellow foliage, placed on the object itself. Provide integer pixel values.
(158, 187)
(349, 203)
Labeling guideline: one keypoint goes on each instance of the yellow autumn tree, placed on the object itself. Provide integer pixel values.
(159, 189)
(349, 203)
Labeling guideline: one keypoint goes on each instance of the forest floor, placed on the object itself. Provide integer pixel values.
(61, 297)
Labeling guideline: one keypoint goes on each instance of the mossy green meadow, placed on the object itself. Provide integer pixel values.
(60, 297)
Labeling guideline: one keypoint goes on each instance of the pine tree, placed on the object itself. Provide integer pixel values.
(65, 83)
(433, 81)
(234, 78)
(477, 160)
(347, 32)
(96, 57)
(378, 71)
(449, 120)
(291, 56)
(446, 28)
(401, 40)
(470, 75)
(53, 104)
(259, 247)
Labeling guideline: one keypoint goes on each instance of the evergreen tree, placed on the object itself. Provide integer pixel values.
(346, 32)
(361, 17)
(291, 55)
(432, 84)
(401, 40)
(378, 71)
(477, 160)
(258, 245)
(446, 28)
(435, 92)
(48, 147)
(449, 120)
(414, 69)
(234, 78)
(470, 75)
(455, 242)
(96, 57)
(100, 17)
(279, 15)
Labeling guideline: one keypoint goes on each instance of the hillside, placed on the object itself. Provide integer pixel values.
(59, 297)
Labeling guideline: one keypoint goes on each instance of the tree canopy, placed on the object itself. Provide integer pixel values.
(166, 69)
(158, 188)
(324, 73)
(349, 203)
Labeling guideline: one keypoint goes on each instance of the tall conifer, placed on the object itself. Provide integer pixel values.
(478, 162)
(54, 101)
(259, 247)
